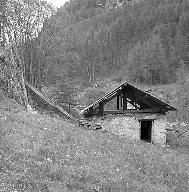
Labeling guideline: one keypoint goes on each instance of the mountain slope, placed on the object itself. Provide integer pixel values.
(39, 152)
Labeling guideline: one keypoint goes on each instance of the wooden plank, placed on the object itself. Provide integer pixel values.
(124, 99)
(112, 97)
(139, 100)
(106, 101)
(128, 111)
(118, 98)
(48, 101)
(146, 102)
(39, 93)
(141, 94)
(105, 97)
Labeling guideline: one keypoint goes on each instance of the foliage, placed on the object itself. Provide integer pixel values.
(20, 24)
(21, 20)
(12, 76)
(147, 62)
(180, 74)
(182, 93)
(64, 94)
(91, 39)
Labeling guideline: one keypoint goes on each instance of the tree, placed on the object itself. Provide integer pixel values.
(182, 93)
(180, 74)
(20, 24)
(12, 75)
(142, 37)
(3, 7)
(147, 62)
(182, 41)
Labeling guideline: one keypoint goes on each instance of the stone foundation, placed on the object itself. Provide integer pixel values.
(130, 126)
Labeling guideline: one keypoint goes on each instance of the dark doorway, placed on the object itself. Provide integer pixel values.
(146, 130)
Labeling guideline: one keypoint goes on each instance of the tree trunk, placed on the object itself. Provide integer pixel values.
(24, 92)
(89, 72)
(19, 78)
(31, 69)
(93, 72)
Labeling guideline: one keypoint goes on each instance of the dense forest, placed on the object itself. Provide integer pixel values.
(84, 40)
(144, 41)
(141, 40)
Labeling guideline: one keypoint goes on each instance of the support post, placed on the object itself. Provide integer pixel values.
(101, 109)
(124, 99)
(118, 102)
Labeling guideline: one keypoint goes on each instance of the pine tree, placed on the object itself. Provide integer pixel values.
(182, 93)
(180, 74)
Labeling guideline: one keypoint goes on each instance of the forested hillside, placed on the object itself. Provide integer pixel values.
(84, 41)
(74, 55)
(144, 41)
(87, 41)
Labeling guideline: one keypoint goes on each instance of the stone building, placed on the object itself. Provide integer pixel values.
(131, 112)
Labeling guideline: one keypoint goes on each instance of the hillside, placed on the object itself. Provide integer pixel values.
(144, 41)
(43, 153)
(75, 55)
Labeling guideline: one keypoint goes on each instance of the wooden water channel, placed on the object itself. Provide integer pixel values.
(45, 103)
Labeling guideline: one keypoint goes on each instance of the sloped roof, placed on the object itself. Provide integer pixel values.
(137, 94)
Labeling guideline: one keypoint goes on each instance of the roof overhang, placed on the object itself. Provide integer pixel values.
(133, 94)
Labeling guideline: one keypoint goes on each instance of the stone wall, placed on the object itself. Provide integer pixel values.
(159, 130)
(129, 125)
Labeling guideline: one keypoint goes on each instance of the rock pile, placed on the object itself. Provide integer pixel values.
(89, 125)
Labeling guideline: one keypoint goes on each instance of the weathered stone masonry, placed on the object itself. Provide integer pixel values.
(130, 125)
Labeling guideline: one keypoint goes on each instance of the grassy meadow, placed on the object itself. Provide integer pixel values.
(43, 153)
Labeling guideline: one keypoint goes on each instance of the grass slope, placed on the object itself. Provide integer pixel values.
(41, 153)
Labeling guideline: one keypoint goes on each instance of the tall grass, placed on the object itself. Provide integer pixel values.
(40, 153)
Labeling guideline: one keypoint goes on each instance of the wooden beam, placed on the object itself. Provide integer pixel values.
(107, 100)
(145, 102)
(117, 89)
(128, 111)
(117, 94)
(101, 109)
(124, 99)
(139, 100)
(134, 111)
(50, 103)
(118, 98)
(132, 103)
(112, 97)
